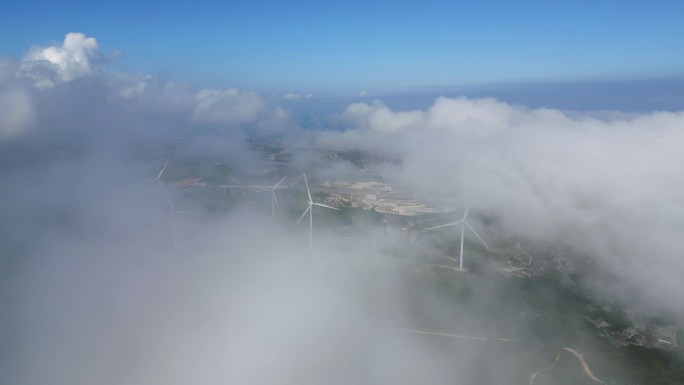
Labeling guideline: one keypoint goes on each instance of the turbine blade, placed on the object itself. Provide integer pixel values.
(476, 234)
(162, 170)
(465, 214)
(305, 211)
(445, 225)
(281, 181)
(322, 205)
(307, 188)
(275, 199)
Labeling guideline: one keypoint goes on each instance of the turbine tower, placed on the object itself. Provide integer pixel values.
(310, 210)
(463, 226)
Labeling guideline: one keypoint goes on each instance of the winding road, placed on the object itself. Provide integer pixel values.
(580, 357)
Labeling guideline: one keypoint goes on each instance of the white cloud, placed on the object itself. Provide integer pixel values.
(229, 106)
(291, 96)
(223, 106)
(473, 115)
(134, 90)
(75, 58)
(584, 178)
(378, 117)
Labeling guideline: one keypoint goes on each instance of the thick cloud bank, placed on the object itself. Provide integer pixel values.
(609, 184)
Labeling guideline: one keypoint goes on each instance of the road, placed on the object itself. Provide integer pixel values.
(580, 357)
(585, 366)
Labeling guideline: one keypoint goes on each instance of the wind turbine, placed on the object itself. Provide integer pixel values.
(310, 210)
(463, 226)
(161, 190)
(274, 200)
(158, 183)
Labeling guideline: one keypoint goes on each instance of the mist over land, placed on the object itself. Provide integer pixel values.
(102, 282)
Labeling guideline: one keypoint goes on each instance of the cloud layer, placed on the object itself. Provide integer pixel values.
(606, 183)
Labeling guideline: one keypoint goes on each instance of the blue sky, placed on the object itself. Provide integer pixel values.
(314, 46)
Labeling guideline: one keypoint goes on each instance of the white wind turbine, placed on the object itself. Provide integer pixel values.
(463, 226)
(274, 200)
(158, 183)
(310, 210)
(173, 214)
(161, 190)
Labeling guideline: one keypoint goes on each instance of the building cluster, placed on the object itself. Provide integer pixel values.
(638, 333)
